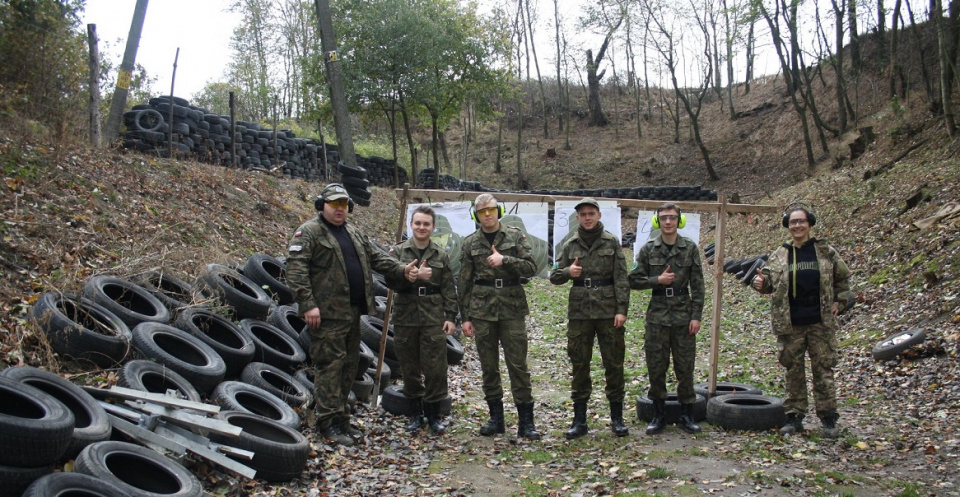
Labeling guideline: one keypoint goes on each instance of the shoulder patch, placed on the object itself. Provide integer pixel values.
(295, 248)
(392, 250)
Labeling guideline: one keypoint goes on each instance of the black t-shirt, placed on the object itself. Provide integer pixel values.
(804, 280)
(351, 258)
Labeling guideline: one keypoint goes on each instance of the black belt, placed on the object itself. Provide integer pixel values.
(670, 292)
(421, 290)
(592, 282)
(497, 283)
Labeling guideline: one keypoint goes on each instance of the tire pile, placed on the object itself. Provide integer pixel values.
(734, 406)
(427, 178)
(205, 136)
(233, 337)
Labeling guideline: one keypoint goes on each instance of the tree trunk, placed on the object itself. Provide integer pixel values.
(838, 66)
(597, 118)
(536, 65)
(728, 45)
(556, 25)
(93, 106)
(748, 77)
(944, 37)
(924, 72)
(855, 60)
(410, 144)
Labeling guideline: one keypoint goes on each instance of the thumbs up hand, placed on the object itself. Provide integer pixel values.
(495, 259)
(424, 271)
(758, 280)
(666, 279)
(576, 270)
(411, 270)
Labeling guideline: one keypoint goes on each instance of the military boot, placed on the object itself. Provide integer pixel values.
(793, 425)
(415, 421)
(659, 420)
(495, 424)
(579, 426)
(335, 436)
(616, 420)
(432, 411)
(686, 422)
(350, 431)
(829, 421)
(525, 426)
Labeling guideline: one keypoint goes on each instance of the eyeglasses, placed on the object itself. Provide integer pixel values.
(340, 203)
(668, 217)
(487, 211)
(798, 222)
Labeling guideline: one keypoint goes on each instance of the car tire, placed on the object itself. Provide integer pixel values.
(273, 346)
(149, 376)
(395, 402)
(725, 388)
(137, 470)
(182, 352)
(277, 382)
(895, 344)
(741, 411)
(231, 343)
(81, 329)
(91, 423)
(269, 272)
(280, 453)
(70, 484)
(645, 408)
(130, 302)
(35, 428)
(239, 396)
(246, 298)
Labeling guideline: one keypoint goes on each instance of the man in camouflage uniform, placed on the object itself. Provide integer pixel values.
(423, 315)
(598, 304)
(810, 286)
(669, 264)
(329, 265)
(493, 306)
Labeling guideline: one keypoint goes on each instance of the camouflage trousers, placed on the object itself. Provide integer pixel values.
(659, 343)
(580, 334)
(422, 353)
(821, 344)
(512, 336)
(335, 354)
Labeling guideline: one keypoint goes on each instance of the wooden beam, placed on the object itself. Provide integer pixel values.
(718, 248)
(427, 195)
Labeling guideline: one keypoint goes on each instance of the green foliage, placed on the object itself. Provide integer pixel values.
(43, 62)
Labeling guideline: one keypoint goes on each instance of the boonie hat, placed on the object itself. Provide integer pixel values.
(587, 201)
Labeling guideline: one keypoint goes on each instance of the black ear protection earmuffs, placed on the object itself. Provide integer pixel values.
(793, 206)
(501, 210)
(318, 203)
(680, 223)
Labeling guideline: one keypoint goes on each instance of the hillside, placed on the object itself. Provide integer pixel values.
(69, 212)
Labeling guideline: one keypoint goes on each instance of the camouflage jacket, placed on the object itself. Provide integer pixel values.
(486, 302)
(834, 285)
(317, 273)
(602, 261)
(410, 309)
(684, 260)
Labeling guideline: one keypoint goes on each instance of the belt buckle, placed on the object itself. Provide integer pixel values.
(421, 291)
(588, 282)
(498, 283)
(669, 292)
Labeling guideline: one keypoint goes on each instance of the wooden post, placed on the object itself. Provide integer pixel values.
(123, 76)
(173, 79)
(276, 153)
(94, 106)
(338, 96)
(375, 398)
(233, 131)
(717, 297)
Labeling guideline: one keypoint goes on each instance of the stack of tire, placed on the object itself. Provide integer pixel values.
(745, 270)
(206, 136)
(380, 171)
(354, 179)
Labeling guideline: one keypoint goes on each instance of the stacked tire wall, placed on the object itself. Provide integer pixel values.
(205, 136)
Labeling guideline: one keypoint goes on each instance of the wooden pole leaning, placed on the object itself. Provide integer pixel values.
(718, 258)
(375, 397)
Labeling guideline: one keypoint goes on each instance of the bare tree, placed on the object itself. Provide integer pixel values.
(536, 65)
(667, 47)
(599, 18)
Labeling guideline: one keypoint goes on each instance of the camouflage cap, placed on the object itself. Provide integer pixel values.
(334, 191)
(587, 201)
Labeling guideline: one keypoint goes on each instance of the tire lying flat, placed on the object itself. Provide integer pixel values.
(738, 411)
(895, 344)
(80, 329)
